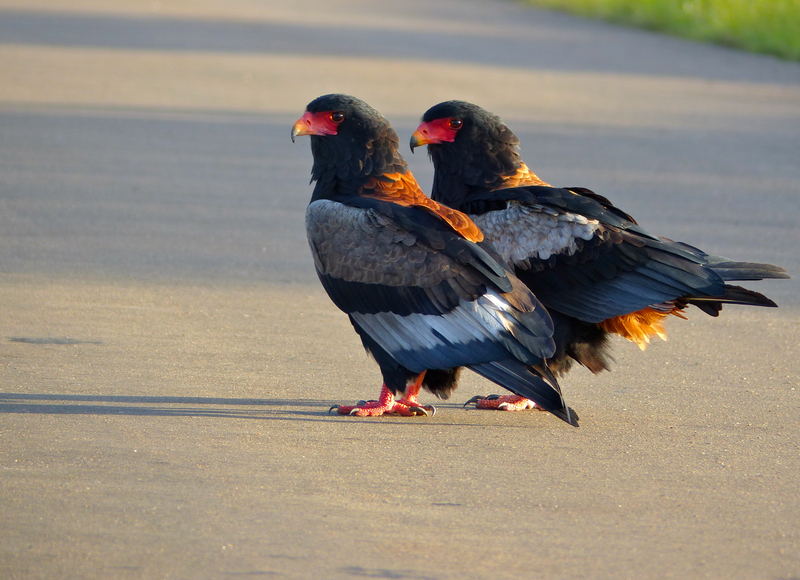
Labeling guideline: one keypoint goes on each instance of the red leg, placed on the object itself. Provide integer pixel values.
(385, 405)
(412, 392)
(502, 403)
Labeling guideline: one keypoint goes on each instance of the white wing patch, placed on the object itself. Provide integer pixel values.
(531, 231)
(427, 341)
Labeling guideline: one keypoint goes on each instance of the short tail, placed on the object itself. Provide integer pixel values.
(712, 305)
(737, 271)
(536, 383)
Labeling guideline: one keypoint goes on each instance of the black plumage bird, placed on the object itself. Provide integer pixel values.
(591, 265)
(421, 289)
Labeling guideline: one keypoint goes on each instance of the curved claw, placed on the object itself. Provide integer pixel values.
(418, 411)
(474, 399)
(332, 408)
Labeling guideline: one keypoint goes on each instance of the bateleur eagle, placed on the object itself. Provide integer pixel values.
(592, 266)
(422, 291)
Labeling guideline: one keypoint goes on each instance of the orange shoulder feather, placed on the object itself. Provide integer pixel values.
(522, 177)
(403, 189)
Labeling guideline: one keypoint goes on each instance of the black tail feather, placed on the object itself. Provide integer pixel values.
(745, 270)
(712, 305)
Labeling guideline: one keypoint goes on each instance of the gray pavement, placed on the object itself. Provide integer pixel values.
(168, 357)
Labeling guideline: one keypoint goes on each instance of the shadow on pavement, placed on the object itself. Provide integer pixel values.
(155, 406)
(226, 408)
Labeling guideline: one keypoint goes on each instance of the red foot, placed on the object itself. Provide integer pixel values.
(504, 403)
(385, 405)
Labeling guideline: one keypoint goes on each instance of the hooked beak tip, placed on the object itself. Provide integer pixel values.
(299, 128)
(417, 139)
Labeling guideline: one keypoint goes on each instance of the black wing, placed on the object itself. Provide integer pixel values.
(585, 258)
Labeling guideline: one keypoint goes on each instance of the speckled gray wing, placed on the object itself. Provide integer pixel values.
(522, 233)
(368, 263)
(362, 245)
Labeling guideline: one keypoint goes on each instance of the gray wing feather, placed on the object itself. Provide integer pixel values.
(521, 232)
(362, 245)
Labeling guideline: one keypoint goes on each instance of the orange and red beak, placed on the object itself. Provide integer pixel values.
(302, 126)
(432, 132)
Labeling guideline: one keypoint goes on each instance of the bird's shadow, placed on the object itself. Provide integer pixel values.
(220, 407)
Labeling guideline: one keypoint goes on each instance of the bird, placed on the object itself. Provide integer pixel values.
(420, 287)
(593, 267)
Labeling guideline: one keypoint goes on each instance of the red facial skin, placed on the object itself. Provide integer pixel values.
(436, 131)
(322, 123)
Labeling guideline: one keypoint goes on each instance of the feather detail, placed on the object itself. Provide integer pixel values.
(642, 325)
(402, 189)
(524, 176)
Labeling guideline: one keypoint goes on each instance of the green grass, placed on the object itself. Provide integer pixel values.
(768, 26)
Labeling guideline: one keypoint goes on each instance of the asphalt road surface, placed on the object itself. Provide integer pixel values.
(169, 358)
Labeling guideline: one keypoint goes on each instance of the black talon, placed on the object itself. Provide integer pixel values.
(332, 408)
(418, 411)
(429, 410)
(474, 399)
